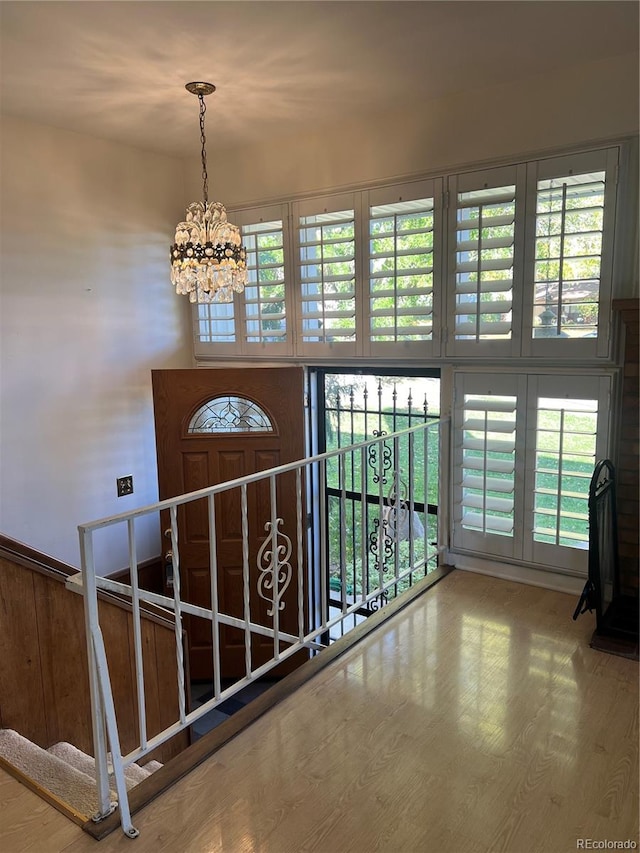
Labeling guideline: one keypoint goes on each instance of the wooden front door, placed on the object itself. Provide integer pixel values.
(257, 420)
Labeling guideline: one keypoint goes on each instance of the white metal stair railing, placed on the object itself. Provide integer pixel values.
(399, 467)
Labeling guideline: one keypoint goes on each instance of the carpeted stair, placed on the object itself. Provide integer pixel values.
(64, 770)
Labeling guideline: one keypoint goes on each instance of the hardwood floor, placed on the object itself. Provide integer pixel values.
(477, 720)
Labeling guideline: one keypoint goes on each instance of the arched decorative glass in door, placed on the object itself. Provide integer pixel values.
(229, 413)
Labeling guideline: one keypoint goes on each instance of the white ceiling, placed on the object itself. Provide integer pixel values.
(117, 69)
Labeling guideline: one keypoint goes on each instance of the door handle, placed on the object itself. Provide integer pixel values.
(168, 569)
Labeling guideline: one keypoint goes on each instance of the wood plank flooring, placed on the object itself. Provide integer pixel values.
(478, 720)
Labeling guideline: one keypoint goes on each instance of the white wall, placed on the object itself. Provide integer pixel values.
(588, 102)
(87, 311)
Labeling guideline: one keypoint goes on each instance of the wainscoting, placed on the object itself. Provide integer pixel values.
(44, 682)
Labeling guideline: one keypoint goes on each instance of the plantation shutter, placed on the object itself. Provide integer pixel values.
(566, 436)
(215, 324)
(485, 242)
(326, 244)
(404, 257)
(264, 303)
(487, 424)
(570, 218)
(257, 322)
(524, 451)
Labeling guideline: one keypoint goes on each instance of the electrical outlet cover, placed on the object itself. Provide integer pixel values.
(125, 485)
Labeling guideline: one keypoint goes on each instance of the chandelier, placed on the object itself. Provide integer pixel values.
(208, 260)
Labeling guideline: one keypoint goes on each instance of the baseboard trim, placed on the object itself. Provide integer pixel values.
(520, 574)
(205, 747)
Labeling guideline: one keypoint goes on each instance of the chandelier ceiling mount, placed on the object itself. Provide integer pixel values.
(200, 88)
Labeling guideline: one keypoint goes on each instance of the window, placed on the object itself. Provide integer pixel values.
(512, 261)
(567, 420)
(327, 275)
(482, 264)
(565, 457)
(488, 427)
(264, 297)
(493, 268)
(229, 414)
(569, 222)
(402, 250)
(257, 321)
(569, 246)
(488, 463)
(401, 271)
(352, 408)
(217, 322)
(524, 451)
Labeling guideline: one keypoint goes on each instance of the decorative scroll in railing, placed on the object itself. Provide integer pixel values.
(406, 528)
(284, 607)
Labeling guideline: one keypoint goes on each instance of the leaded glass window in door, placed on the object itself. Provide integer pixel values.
(228, 413)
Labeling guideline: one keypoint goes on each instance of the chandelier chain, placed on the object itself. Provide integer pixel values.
(203, 139)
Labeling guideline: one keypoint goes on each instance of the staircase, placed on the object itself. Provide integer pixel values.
(64, 771)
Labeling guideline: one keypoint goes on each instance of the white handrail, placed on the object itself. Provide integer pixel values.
(187, 497)
(379, 537)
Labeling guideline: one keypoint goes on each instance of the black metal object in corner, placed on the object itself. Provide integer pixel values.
(616, 614)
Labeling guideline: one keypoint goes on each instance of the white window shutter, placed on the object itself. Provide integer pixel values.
(215, 325)
(265, 314)
(485, 250)
(569, 254)
(259, 320)
(487, 424)
(567, 433)
(404, 256)
(326, 275)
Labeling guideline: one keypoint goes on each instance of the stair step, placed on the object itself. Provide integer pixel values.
(133, 774)
(69, 784)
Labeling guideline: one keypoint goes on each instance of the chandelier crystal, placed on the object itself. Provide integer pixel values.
(208, 260)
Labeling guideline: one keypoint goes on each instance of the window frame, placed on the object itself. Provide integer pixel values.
(485, 384)
(575, 387)
(527, 386)
(601, 159)
(409, 191)
(241, 347)
(468, 182)
(313, 207)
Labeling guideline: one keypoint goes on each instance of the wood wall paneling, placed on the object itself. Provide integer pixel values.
(628, 462)
(65, 674)
(21, 690)
(44, 682)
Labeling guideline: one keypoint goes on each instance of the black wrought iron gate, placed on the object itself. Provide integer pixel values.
(354, 407)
